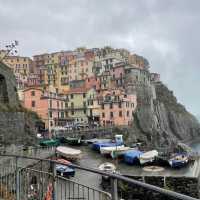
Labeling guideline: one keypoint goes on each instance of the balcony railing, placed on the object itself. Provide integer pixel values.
(18, 183)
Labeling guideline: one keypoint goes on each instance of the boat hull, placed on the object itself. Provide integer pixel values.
(69, 153)
(65, 171)
(132, 157)
(148, 157)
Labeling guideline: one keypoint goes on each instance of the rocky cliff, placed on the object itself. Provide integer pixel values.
(160, 120)
(17, 125)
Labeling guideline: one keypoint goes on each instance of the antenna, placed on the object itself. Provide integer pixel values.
(11, 49)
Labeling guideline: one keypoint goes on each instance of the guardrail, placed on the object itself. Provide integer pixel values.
(92, 193)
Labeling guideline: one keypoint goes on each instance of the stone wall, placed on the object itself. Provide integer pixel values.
(184, 185)
(17, 128)
(10, 85)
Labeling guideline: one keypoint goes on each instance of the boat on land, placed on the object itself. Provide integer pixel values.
(65, 171)
(132, 157)
(120, 151)
(69, 153)
(98, 145)
(62, 161)
(178, 160)
(96, 140)
(107, 167)
(50, 142)
(148, 157)
(73, 141)
(113, 150)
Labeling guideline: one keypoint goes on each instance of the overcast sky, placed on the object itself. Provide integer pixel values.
(166, 32)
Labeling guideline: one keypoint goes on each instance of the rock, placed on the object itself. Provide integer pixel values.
(159, 119)
(17, 125)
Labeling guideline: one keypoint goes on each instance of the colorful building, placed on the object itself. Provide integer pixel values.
(117, 108)
(49, 106)
(76, 107)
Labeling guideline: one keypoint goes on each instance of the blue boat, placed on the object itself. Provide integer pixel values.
(178, 161)
(118, 142)
(65, 171)
(132, 157)
(97, 145)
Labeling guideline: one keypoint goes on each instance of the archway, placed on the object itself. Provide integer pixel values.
(3, 90)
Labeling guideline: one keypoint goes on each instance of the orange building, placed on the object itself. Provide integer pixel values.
(117, 108)
(49, 106)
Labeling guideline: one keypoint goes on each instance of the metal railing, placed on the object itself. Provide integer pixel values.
(15, 184)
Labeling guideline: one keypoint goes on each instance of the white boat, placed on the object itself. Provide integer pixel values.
(108, 150)
(107, 167)
(117, 152)
(148, 157)
(69, 153)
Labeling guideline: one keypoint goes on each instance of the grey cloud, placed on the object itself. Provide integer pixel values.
(165, 32)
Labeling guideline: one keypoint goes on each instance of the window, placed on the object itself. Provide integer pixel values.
(111, 106)
(120, 113)
(84, 111)
(84, 95)
(50, 103)
(72, 105)
(72, 112)
(72, 96)
(33, 104)
(111, 114)
(84, 104)
(66, 105)
(103, 115)
(66, 114)
(62, 115)
(127, 113)
(32, 93)
(51, 123)
(57, 104)
(102, 106)
(120, 104)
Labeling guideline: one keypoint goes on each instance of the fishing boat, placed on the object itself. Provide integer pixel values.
(178, 160)
(73, 141)
(120, 151)
(69, 153)
(109, 150)
(65, 171)
(98, 145)
(62, 161)
(50, 142)
(132, 157)
(148, 157)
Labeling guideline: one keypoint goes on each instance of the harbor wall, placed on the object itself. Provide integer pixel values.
(184, 185)
(17, 128)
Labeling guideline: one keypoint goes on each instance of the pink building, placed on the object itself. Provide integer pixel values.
(49, 106)
(117, 108)
(33, 80)
(117, 74)
(92, 82)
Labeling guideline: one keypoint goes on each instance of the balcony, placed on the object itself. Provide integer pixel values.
(20, 180)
